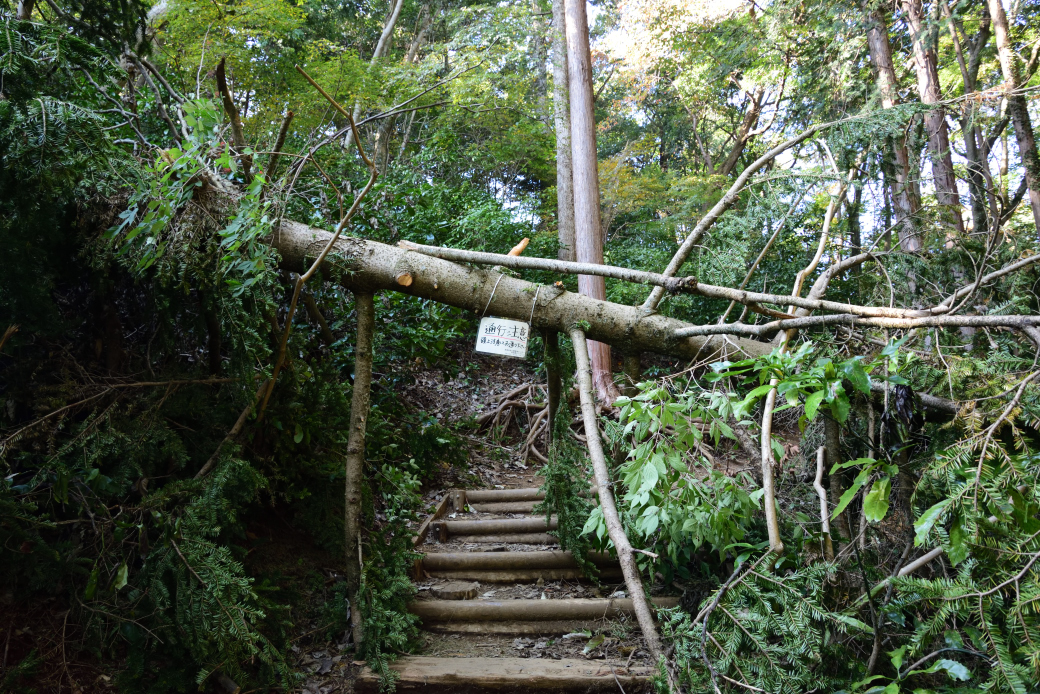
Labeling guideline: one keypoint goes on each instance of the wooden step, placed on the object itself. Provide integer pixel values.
(545, 627)
(498, 495)
(548, 559)
(499, 526)
(522, 575)
(441, 611)
(471, 675)
(504, 506)
(509, 539)
(512, 567)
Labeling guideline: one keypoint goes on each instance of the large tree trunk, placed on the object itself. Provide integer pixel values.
(360, 265)
(355, 458)
(1017, 107)
(935, 120)
(903, 193)
(562, 118)
(587, 226)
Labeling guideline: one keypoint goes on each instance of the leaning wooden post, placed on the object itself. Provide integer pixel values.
(553, 376)
(355, 459)
(615, 531)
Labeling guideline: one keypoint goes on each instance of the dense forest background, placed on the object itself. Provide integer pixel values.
(148, 152)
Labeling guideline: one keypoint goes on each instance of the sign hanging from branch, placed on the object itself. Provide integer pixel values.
(504, 337)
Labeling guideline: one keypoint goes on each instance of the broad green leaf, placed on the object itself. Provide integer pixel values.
(924, 524)
(299, 434)
(875, 504)
(859, 379)
(812, 404)
(91, 588)
(839, 404)
(854, 623)
(896, 657)
(850, 493)
(958, 542)
(121, 577)
(952, 668)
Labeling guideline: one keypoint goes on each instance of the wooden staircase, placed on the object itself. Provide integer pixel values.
(482, 542)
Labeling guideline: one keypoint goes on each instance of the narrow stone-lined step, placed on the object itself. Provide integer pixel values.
(521, 575)
(472, 675)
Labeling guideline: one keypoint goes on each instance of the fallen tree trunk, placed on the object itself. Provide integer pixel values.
(363, 265)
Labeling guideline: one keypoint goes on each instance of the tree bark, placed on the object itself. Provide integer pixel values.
(360, 265)
(562, 121)
(905, 199)
(935, 120)
(237, 135)
(1016, 104)
(553, 377)
(744, 134)
(633, 581)
(832, 438)
(355, 458)
(25, 10)
(381, 46)
(381, 151)
(969, 130)
(588, 229)
(633, 369)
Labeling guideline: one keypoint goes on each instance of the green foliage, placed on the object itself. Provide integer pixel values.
(566, 490)
(54, 154)
(674, 502)
(772, 632)
(386, 586)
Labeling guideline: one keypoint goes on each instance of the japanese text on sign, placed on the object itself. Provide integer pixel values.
(502, 336)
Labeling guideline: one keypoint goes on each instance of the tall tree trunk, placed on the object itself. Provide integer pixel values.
(538, 57)
(25, 10)
(382, 45)
(562, 118)
(905, 201)
(553, 377)
(587, 227)
(355, 458)
(935, 120)
(969, 131)
(381, 151)
(1016, 105)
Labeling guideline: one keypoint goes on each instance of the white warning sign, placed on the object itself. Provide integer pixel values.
(503, 336)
